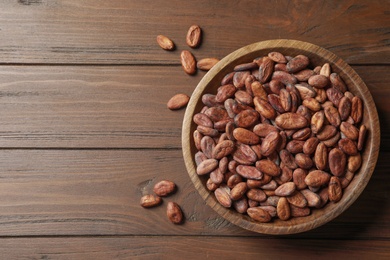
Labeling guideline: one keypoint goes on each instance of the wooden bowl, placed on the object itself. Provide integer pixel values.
(318, 56)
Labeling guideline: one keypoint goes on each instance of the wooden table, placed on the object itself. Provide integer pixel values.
(85, 132)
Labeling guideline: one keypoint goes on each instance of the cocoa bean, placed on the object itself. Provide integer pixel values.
(194, 36)
(165, 42)
(150, 200)
(206, 63)
(337, 162)
(188, 62)
(174, 213)
(178, 101)
(164, 188)
(291, 121)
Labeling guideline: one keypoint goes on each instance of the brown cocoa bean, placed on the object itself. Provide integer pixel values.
(312, 104)
(194, 36)
(249, 172)
(317, 178)
(211, 186)
(357, 109)
(320, 95)
(207, 145)
(335, 192)
(361, 137)
(222, 194)
(299, 212)
(274, 100)
(202, 119)
(258, 90)
(298, 63)
(288, 159)
(266, 69)
(332, 115)
(297, 199)
(238, 191)
(223, 149)
(283, 209)
(334, 95)
(217, 114)
(178, 101)
(268, 167)
(164, 188)
(345, 106)
(277, 57)
(310, 145)
(245, 136)
(233, 180)
(337, 82)
(333, 140)
(312, 198)
(188, 62)
(263, 130)
(259, 214)
(295, 146)
(174, 213)
(284, 77)
(206, 166)
(321, 156)
(246, 66)
(302, 134)
(350, 131)
(243, 154)
(325, 70)
(291, 121)
(204, 130)
(239, 79)
(209, 101)
(246, 118)
(348, 146)
(304, 75)
(275, 86)
(243, 97)
(354, 162)
(241, 205)
(299, 176)
(256, 195)
(286, 189)
(206, 63)
(150, 200)
(165, 42)
(305, 91)
(270, 143)
(319, 81)
(227, 79)
(264, 108)
(328, 131)
(224, 92)
(303, 161)
(337, 162)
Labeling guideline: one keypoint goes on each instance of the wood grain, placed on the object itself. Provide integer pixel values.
(114, 106)
(97, 192)
(124, 32)
(189, 248)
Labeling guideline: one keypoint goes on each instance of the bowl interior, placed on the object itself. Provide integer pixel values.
(318, 56)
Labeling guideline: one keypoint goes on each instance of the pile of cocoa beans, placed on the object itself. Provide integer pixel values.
(279, 138)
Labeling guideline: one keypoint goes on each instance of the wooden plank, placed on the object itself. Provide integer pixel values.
(124, 32)
(114, 106)
(190, 248)
(97, 192)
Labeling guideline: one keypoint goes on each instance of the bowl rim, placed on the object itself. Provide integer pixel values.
(372, 149)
